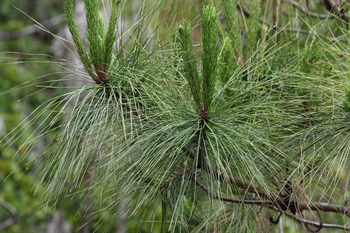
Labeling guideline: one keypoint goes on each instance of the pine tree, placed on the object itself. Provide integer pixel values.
(244, 129)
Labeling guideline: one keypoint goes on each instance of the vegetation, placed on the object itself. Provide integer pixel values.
(245, 131)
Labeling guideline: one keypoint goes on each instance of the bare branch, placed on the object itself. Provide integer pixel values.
(336, 10)
(9, 222)
(8, 207)
(231, 200)
(306, 11)
(277, 198)
(16, 217)
(316, 224)
(13, 220)
(275, 206)
(325, 207)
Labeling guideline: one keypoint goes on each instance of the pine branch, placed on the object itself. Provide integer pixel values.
(319, 225)
(73, 28)
(190, 69)
(274, 205)
(230, 200)
(280, 198)
(110, 36)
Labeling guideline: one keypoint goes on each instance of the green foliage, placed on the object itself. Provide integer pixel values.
(233, 26)
(346, 102)
(191, 74)
(253, 26)
(210, 54)
(195, 136)
(73, 27)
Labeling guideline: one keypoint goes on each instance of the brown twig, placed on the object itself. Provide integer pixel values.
(306, 11)
(16, 218)
(336, 10)
(316, 224)
(324, 207)
(231, 200)
(279, 199)
(8, 207)
(275, 206)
